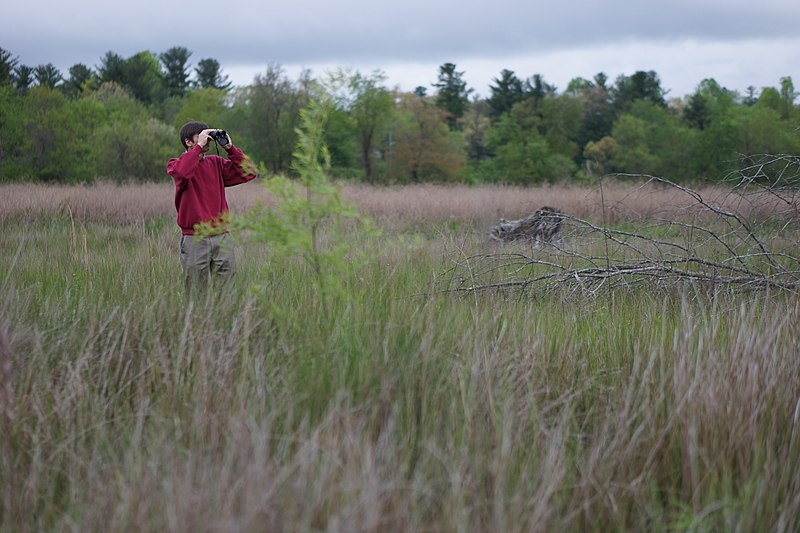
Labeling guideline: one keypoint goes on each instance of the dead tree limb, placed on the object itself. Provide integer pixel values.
(707, 244)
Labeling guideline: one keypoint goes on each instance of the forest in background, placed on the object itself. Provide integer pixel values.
(119, 121)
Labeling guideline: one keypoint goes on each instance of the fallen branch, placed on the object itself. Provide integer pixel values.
(709, 245)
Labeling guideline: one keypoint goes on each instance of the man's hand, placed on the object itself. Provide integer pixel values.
(230, 142)
(203, 138)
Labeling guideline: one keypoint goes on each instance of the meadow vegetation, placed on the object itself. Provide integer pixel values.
(127, 405)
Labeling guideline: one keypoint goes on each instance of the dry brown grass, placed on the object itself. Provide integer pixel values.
(482, 205)
(400, 410)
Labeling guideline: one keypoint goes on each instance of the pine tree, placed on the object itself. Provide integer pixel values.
(506, 91)
(176, 77)
(209, 75)
(23, 78)
(47, 75)
(7, 64)
(79, 79)
(453, 95)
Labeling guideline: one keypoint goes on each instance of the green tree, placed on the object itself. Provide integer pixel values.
(634, 153)
(764, 131)
(134, 148)
(111, 69)
(651, 140)
(521, 153)
(577, 86)
(58, 135)
(370, 107)
(176, 70)
(272, 107)
(14, 143)
(476, 123)
(598, 113)
(639, 86)
(209, 75)
(597, 156)
(750, 98)
(207, 105)
(697, 111)
(771, 98)
(47, 75)
(7, 64)
(561, 124)
(341, 137)
(504, 93)
(788, 96)
(424, 148)
(128, 143)
(309, 218)
(79, 81)
(23, 78)
(144, 78)
(536, 89)
(452, 95)
(715, 151)
(708, 102)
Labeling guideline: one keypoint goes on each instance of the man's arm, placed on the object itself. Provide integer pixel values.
(233, 172)
(182, 167)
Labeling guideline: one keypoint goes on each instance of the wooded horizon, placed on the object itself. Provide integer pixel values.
(119, 121)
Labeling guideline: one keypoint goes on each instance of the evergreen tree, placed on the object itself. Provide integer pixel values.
(111, 69)
(23, 78)
(788, 96)
(79, 78)
(7, 64)
(709, 102)
(697, 111)
(600, 80)
(506, 91)
(453, 95)
(176, 77)
(640, 86)
(598, 115)
(536, 89)
(209, 75)
(751, 97)
(47, 75)
(144, 78)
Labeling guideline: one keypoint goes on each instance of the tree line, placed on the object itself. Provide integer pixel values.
(119, 120)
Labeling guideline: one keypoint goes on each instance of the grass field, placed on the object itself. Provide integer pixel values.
(127, 405)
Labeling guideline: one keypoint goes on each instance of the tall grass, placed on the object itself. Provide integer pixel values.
(417, 205)
(134, 407)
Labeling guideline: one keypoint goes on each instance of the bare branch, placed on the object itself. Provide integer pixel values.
(733, 242)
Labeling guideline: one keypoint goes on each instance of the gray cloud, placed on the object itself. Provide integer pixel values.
(250, 32)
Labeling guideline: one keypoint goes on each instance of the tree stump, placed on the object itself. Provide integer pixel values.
(542, 226)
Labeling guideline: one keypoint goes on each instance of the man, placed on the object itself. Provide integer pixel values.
(200, 182)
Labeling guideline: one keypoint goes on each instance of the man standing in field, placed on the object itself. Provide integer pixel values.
(200, 182)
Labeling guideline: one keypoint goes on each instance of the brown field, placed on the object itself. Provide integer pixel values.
(410, 204)
(126, 404)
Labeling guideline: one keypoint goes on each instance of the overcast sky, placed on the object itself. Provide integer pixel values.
(739, 43)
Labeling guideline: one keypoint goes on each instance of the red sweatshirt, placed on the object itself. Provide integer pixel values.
(200, 182)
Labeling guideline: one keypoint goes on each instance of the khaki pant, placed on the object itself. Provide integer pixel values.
(204, 257)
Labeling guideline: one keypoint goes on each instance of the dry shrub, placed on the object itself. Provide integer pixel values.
(99, 202)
